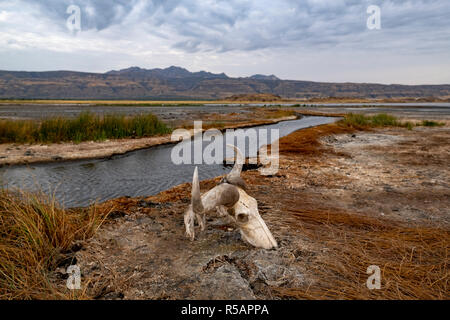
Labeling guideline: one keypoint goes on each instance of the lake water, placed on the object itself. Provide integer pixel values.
(39, 111)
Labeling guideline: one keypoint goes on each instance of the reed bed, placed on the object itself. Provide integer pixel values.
(361, 121)
(86, 127)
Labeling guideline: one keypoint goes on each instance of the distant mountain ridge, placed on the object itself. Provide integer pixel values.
(170, 72)
(264, 77)
(178, 83)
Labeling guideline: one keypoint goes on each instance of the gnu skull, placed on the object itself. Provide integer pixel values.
(229, 198)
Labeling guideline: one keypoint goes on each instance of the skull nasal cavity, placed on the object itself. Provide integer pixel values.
(242, 217)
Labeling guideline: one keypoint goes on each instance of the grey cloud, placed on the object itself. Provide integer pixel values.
(323, 40)
(188, 45)
(106, 13)
(250, 26)
(224, 25)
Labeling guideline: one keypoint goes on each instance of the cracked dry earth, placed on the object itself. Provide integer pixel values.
(392, 175)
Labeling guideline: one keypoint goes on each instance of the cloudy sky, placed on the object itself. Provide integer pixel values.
(319, 40)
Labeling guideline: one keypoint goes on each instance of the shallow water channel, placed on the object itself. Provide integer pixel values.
(138, 173)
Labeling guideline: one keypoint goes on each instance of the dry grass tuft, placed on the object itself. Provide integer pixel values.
(35, 234)
(413, 259)
(279, 113)
(306, 141)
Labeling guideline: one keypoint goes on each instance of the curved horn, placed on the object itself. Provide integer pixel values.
(223, 194)
(196, 200)
(234, 177)
(237, 168)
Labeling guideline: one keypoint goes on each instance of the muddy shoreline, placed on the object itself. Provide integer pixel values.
(254, 99)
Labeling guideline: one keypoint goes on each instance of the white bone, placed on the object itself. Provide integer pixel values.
(254, 230)
(227, 196)
(237, 168)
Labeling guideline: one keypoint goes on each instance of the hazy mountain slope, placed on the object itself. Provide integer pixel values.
(179, 83)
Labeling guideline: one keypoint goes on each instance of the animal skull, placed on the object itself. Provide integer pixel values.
(229, 198)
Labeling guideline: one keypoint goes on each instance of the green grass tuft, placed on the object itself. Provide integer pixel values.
(430, 123)
(86, 127)
(360, 121)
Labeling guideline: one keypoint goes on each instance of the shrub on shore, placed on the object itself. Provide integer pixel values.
(86, 127)
(430, 123)
(35, 234)
(361, 121)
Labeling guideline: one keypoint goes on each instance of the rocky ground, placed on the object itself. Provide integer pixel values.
(341, 201)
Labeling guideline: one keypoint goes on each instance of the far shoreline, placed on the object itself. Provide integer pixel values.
(244, 100)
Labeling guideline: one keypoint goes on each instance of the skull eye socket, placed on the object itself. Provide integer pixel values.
(242, 218)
